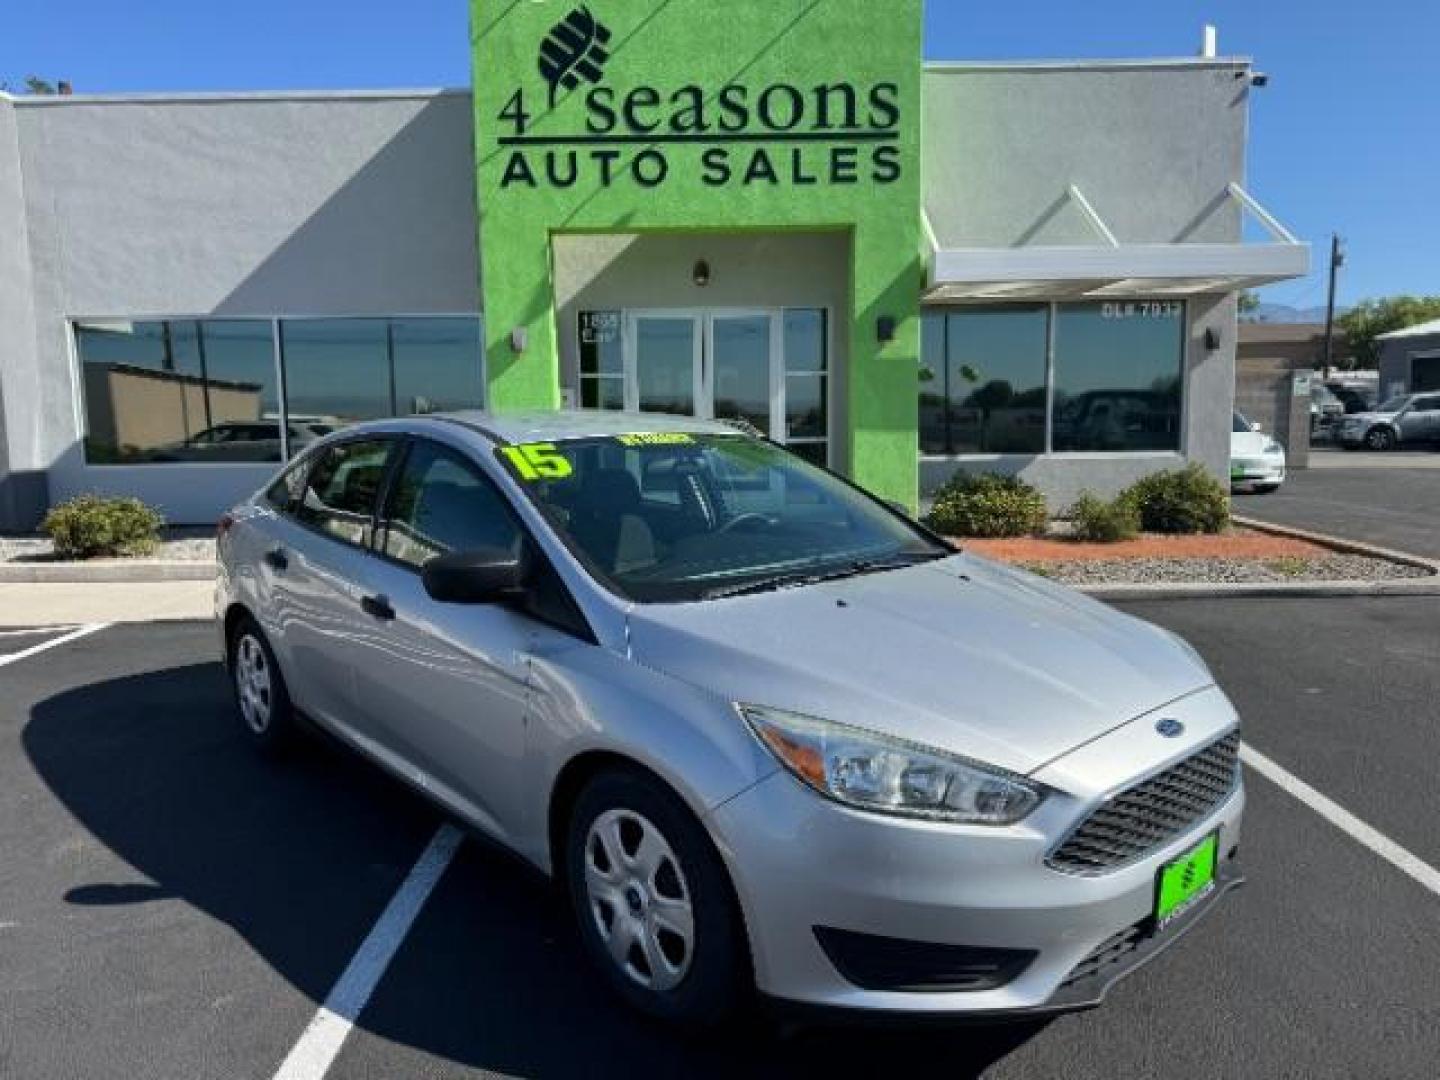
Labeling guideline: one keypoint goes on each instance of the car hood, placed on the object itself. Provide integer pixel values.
(1371, 417)
(1248, 443)
(961, 654)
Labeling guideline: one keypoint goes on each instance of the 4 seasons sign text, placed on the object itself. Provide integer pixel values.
(830, 133)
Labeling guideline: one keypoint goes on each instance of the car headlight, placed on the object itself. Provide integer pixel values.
(886, 775)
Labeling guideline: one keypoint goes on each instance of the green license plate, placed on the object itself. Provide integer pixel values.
(1186, 880)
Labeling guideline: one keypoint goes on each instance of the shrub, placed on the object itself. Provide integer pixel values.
(88, 526)
(988, 505)
(1102, 522)
(1187, 500)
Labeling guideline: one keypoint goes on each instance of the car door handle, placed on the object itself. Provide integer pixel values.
(277, 558)
(378, 607)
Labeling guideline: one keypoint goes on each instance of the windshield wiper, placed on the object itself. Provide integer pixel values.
(796, 579)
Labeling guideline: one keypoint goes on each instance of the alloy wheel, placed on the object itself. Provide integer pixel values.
(639, 899)
(252, 683)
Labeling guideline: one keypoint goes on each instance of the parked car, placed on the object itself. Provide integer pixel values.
(243, 440)
(1256, 459)
(765, 731)
(1355, 398)
(1407, 420)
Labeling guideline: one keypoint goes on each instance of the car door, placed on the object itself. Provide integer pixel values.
(1421, 421)
(446, 686)
(315, 574)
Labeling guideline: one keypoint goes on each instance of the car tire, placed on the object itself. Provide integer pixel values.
(1380, 439)
(641, 871)
(262, 701)
(1266, 489)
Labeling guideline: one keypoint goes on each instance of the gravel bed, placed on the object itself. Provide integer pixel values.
(1224, 571)
(177, 545)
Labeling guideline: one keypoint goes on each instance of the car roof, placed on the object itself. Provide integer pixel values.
(559, 426)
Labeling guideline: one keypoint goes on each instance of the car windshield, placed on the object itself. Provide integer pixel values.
(1239, 423)
(683, 517)
(1395, 404)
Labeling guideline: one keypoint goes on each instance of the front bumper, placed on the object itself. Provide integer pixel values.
(800, 862)
(1257, 471)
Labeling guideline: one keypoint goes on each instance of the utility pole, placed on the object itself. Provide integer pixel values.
(1337, 260)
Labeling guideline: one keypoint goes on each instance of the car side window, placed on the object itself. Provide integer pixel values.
(440, 503)
(288, 486)
(339, 495)
(1426, 404)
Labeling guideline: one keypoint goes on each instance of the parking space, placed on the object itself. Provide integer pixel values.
(176, 907)
(1393, 501)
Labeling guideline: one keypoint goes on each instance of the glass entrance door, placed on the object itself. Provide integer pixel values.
(767, 367)
(664, 367)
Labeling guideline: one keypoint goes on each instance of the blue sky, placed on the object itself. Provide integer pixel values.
(1345, 137)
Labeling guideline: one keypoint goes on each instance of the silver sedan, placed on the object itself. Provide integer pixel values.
(767, 733)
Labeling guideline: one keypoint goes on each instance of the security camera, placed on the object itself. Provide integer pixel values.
(1259, 79)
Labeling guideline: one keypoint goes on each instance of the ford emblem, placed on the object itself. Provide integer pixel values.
(1170, 728)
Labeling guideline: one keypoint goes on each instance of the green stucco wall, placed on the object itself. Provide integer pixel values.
(696, 116)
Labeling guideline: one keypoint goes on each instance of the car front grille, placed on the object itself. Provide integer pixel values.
(1142, 818)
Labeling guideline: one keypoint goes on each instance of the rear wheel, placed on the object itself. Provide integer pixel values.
(261, 698)
(655, 908)
(1380, 438)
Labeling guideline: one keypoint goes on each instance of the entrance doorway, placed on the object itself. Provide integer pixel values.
(768, 367)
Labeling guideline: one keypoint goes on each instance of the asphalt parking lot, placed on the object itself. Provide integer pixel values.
(1388, 499)
(173, 906)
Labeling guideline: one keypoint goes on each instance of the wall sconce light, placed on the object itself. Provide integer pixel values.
(701, 273)
(1212, 339)
(885, 329)
(519, 338)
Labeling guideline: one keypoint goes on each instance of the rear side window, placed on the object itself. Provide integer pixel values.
(440, 503)
(1427, 404)
(287, 488)
(339, 495)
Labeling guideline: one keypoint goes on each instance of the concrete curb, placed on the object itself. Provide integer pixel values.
(1339, 543)
(1287, 590)
(139, 570)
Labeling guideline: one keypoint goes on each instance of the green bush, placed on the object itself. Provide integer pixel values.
(1104, 522)
(988, 505)
(1187, 500)
(89, 526)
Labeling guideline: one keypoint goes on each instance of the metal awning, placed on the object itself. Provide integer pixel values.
(1113, 269)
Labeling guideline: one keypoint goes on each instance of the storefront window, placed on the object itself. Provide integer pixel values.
(990, 371)
(1118, 372)
(807, 383)
(207, 391)
(180, 391)
(602, 361)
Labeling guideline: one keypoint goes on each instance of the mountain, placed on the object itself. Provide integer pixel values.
(1284, 313)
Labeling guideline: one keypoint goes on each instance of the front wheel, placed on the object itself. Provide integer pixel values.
(653, 901)
(1380, 438)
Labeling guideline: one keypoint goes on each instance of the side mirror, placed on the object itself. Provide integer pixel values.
(477, 576)
(1257, 426)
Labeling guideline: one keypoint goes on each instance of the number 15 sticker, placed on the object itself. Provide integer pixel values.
(538, 461)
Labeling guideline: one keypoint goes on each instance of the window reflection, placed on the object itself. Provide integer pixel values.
(1117, 376)
(180, 391)
(989, 364)
(207, 391)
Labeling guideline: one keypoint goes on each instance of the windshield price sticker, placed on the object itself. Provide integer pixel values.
(656, 438)
(538, 461)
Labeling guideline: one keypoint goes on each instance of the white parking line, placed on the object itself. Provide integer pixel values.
(1342, 819)
(312, 1056)
(10, 658)
(31, 631)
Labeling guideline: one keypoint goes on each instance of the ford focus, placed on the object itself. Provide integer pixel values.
(766, 732)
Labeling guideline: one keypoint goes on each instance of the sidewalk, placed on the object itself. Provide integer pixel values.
(71, 603)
